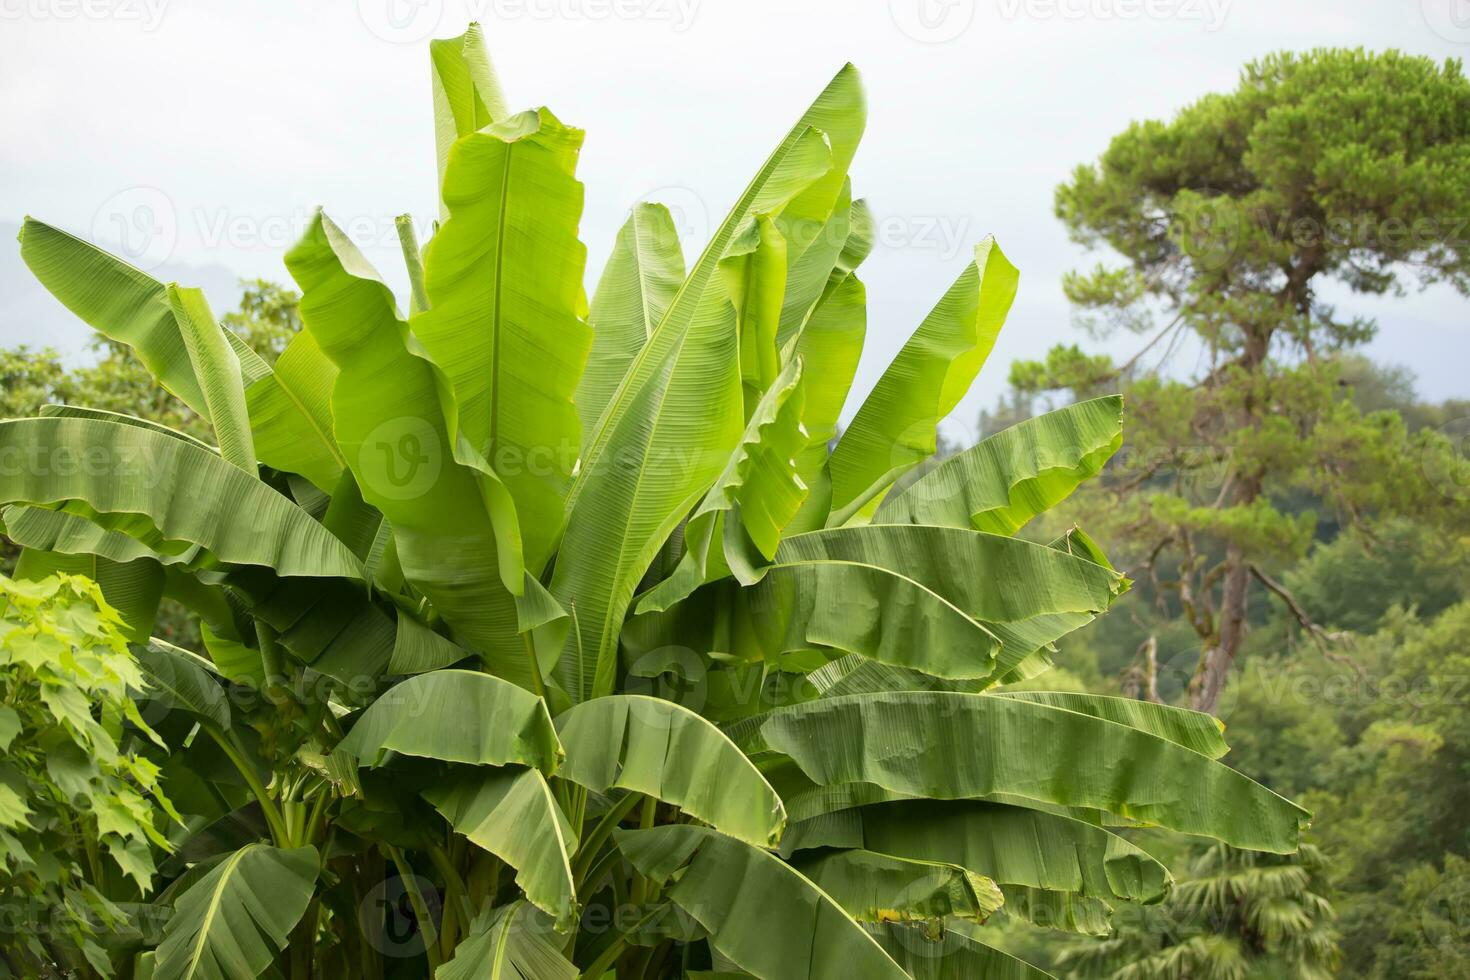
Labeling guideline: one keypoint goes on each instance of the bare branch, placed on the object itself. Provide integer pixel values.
(1321, 637)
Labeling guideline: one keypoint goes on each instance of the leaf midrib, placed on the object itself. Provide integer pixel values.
(502, 220)
(213, 908)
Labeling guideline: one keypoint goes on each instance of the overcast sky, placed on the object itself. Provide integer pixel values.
(199, 134)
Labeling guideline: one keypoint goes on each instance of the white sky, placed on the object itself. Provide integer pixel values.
(221, 124)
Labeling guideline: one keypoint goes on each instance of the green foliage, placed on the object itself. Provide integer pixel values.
(266, 319)
(1237, 916)
(1065, 367)
(1228, 219)
(1345, 163)
(82, 812)
(1286, 467)
(675, 678)
(1346, 585)
(113, 380)
(1396, 792)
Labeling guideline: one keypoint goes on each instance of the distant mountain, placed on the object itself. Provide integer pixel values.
(30, 315)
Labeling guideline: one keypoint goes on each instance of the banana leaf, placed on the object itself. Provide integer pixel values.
(1032, 750)
(510, 812)
(1002, 482)
(658, 748)
(761, 913)
(457, 716)
(897, 426)
(670, 426)
(233, 921)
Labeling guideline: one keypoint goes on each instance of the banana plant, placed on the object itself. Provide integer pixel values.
(545, 638)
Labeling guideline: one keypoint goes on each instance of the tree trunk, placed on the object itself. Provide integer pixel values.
(1218, 657)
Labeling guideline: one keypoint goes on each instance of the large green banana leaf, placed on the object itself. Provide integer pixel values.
(897, 426)
(760, 912)
(353, 646)
(181, 681)
(754, 267)
(454, 528)
(1029, 749)
(841, 115)
(956, 955)
(881, 888)
(814, 249)
(508, 943)
(217, 369)
(286, 405)
(1009, 844)
(933, 608)
(331, 624)
(638, 283)
(457, 716)
(779, 267)
(658, 748)
(830, 345)
(1192, 729)
(1004, 481)
(467, 93)
(945, 601)
(80, 412)
(417, 649)
(231, 923)
(670, 426)
(291, 411)
(167, 493)
(738, 524)
(1060, 911)
(504, 324)
(39, 529)
(511, 813)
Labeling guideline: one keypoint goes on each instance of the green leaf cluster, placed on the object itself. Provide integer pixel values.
(82, 811)
(625, 669)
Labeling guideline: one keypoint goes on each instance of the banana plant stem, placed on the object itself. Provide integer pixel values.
(409, 242)
(273, 819)
(593, 841)
(614, 949)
